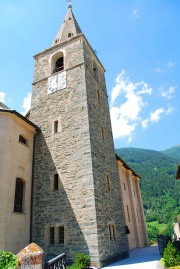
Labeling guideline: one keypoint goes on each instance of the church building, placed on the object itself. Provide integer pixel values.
(65, 188)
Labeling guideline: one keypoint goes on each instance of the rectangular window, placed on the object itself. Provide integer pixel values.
(51, 235)
(56, 127)
(18, 199)
(61, 235)
(56, 182)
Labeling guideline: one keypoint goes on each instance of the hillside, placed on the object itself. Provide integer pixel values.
(160, 189)
(173, 152)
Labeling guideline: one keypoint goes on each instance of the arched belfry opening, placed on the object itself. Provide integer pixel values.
(57, 62)
(59, 65)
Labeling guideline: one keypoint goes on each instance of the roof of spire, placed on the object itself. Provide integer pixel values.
(69, 28)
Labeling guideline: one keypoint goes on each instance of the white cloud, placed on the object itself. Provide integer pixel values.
(158, 70)
(121, 81)
(128, 107)
(164, 67)
(26, 104)
(155, 116)
(145, 90)
(170, 64)
(126, 115)
(2, 97)
(135, 13)
(144, 123)
(121, 126)
(169, 93)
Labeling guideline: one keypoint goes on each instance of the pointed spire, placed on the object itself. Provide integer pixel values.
(69, 28)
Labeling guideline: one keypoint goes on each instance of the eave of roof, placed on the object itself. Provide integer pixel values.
(127, 166)
(21, 117)
(3, 106)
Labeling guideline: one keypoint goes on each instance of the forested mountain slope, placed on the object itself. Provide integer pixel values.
(173, 152)
(160, 189)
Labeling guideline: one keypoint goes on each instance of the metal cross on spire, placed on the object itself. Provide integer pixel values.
(69, 3)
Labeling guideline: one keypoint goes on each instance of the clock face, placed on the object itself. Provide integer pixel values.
(57, 82)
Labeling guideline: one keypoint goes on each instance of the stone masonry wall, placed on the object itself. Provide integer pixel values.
(82, 153)
(67, 153)
(109, 206)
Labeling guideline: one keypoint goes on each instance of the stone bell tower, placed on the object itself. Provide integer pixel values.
(77, 206)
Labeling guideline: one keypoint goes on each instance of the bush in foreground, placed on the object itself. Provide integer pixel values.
(171, 256)
(8, 260)
(81, 261)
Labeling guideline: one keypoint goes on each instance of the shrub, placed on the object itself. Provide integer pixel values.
(7, 260)
(162, 261)
(171, 256)
(81, 261)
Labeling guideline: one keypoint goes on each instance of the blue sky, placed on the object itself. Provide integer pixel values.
(138, 43)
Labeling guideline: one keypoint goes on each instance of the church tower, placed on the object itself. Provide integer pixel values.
(77, 204)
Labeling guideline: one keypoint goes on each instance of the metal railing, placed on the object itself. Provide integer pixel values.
(58, 262)
(57, 69)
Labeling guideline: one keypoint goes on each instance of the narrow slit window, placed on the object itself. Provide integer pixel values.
(52, 236)
(61, 235)
(99, 97)
(124, 186)
(112, 232)
(56, 127)
(56, 182)
(18, 200)
(102, 133)
(108, 183)
(95, 71)
(22, 140)
(128, 213)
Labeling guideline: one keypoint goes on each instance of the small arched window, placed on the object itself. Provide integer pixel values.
(22, 139)
(56, 127)
(56, 182)
(18, 199)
